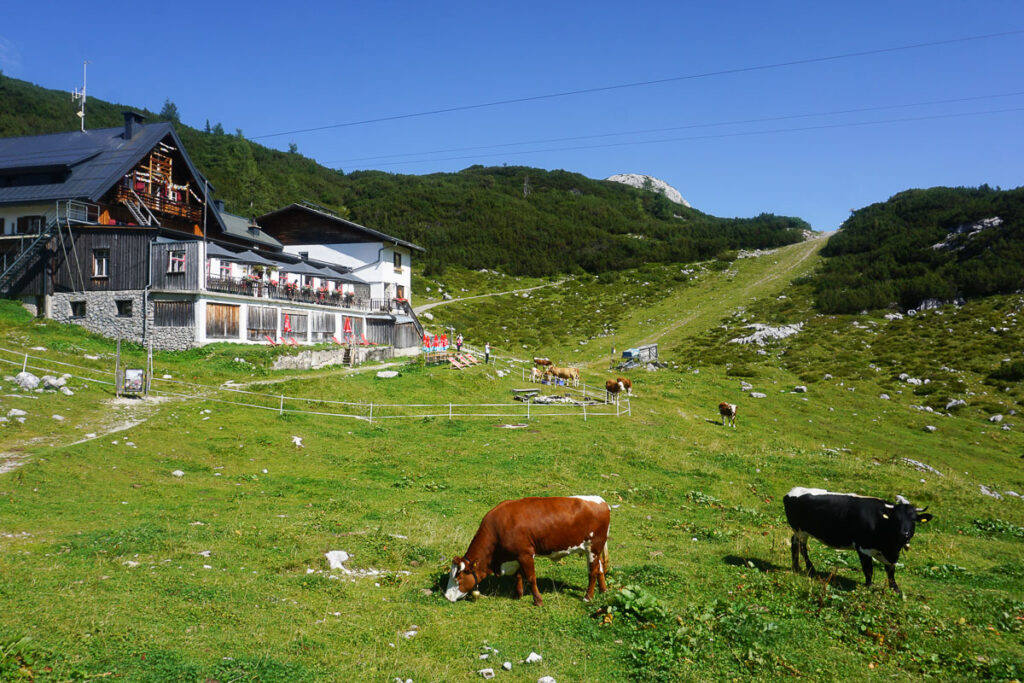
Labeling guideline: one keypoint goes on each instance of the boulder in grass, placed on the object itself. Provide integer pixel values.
(26, 380)
(387, 374)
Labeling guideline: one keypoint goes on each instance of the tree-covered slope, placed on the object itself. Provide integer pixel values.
(939, 243)
(525, 221)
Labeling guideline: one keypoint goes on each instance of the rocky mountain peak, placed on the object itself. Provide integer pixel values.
(640, 181)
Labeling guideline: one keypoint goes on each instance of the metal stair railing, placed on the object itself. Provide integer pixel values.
(25, 257)
(136, 209)
(407, 308)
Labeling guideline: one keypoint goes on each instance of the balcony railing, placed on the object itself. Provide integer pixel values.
(261, 289)
(161, 204)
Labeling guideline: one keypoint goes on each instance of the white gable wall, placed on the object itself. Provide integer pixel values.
(372, 261)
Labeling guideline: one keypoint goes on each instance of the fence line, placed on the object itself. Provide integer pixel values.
(372, 410)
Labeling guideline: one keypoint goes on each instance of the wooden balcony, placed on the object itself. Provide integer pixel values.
(161, 205)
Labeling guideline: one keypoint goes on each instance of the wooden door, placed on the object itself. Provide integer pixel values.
(221, 321)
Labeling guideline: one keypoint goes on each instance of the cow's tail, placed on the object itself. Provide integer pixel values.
(605, 558)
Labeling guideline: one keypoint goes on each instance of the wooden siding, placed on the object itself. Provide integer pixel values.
(174, 314)
(406, 336)
(262, 322)
(221, 321)
(162, 279)
(324, 325)
(126, 259)
(299, 323)
(379, 331)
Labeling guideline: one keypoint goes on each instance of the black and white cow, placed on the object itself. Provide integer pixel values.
(871, 526)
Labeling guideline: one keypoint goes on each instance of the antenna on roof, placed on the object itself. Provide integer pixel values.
(79, 96)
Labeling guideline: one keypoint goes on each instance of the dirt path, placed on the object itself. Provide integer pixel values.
(796, 255)
(427, 307)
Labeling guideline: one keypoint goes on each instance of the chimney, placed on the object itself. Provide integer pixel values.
(132, 120)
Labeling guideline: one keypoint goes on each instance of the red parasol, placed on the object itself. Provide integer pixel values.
(287, 323)
(348, 325)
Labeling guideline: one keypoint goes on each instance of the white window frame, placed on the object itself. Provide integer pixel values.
(101, 263)
(176, 261)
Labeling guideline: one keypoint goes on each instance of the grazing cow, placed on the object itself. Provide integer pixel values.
(612, 387)
(871, 526)
(516, 531)
(626, 385)
(541, 361)
(728, 413)
(535, 374)
(568, 374)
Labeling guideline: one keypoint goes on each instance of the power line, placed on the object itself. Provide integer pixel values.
(637, 84)
(721, 135)
(858, 110)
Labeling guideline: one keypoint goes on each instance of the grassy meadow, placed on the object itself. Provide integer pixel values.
(112, 566)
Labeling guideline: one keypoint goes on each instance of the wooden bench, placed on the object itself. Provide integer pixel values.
(524, 394)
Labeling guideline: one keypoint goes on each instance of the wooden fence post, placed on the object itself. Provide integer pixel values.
(449, 411)
(280, 410)
(371, 412)
(584, 411)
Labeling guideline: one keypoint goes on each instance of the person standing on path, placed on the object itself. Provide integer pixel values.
(458, 343)
(487, 353)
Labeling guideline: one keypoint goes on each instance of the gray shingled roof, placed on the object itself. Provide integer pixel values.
(238, 227)
(92, 161)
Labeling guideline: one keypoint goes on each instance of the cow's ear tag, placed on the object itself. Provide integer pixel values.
(885, 516)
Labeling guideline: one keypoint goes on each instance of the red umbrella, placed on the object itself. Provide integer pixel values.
(348, 325)
(287, 323)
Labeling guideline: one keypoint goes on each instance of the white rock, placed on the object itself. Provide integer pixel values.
(66, 391)
(58, 418)
(507, 666)
(929, 428)
(26, 380)
(800, 389)
(996, 419)
(884, 397)
(546, 679)
(986, 491)
(337, 559)
(486, 673)
(297, 440)
(16, 412)
(757, 394)
(955, 403)
(178, 473)
(640, 181)
(533, 658)
(387, 374)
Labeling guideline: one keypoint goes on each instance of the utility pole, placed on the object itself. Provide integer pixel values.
(79, 96)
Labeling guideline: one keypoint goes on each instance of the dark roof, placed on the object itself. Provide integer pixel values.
(238, 227)
(322, 218)
(84, 165)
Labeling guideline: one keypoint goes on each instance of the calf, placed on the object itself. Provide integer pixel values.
(535, 374)
(871, 526)
(728, 413)
(516, 531)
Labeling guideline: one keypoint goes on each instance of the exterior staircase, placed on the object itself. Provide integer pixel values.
(26, 257)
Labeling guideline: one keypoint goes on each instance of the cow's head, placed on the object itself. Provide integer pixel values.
(462, 579)
(902, 519)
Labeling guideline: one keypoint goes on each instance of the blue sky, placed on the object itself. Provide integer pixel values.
(276, 67)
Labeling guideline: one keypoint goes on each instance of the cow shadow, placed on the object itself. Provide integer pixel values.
(840, 583)
(505, 586)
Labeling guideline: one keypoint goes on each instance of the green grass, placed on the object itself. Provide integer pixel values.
(698, 536)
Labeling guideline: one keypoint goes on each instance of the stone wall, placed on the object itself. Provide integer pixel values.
(314, 360)
(101, 313)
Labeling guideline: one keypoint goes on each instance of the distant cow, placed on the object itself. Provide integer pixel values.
(728, 413)
(626, 385)
(516, 531)
(535, 374)
(871, 526)
(612, 388)
(568, 374)
(541, 361)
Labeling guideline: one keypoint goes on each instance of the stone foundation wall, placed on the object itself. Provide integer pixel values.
(101, 313)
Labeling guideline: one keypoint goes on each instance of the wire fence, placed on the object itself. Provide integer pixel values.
(359, 410)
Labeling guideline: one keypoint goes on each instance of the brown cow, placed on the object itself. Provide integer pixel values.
(728, 413)
(626, 385)
(516, 531)
(612, 388)
(568, 374)
(541, 361)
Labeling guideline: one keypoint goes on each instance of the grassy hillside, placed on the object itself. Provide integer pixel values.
(104, 569)
(923, 244)
(525, 221)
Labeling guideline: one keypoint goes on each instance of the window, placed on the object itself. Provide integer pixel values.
(176, 261)
(101, 263)
(400, 292)
(398, 262)
(28, 225)
(77, 309)
(124, 308)
(225, 270)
